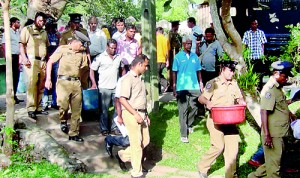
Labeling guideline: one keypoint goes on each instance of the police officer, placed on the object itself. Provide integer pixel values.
(67, 36)
(221, 91)
(72, 58)
(275, 119)
(175, 45)
(135, 116)
(34, 42)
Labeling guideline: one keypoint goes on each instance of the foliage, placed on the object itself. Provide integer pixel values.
(110, 9)
(291, 51)
(18, 8)
(2, 117)
(175, 9)
(248, 80)
(8, 131)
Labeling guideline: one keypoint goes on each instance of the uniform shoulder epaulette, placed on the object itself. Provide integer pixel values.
(65, 32)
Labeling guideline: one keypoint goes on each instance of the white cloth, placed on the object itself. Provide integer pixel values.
(15, 41)
(296, 128)
(98, 42)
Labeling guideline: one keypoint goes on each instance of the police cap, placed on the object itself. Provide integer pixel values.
(229, 64)
(75, 17)
(283, 66)
(176, 22)
(81, 37)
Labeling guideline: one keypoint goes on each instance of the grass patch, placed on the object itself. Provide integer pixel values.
(165, 134)
(43, 169)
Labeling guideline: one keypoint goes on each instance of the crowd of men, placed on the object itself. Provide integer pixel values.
(110, 60)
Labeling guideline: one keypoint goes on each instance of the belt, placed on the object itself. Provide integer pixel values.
(39, 58)
(141, 110)
(63, 77)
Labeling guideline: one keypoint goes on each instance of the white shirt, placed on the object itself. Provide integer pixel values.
(195, 29)
(15, 41)
(98, 42)
(108, 70)
(119, 35)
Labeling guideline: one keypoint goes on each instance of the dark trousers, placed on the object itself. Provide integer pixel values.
(262, 69)
(117, 141)
(96, 74)
(52, 91)
(171, 59)
(186, 98)
(15, 72)
(162, 81)
(207, 76)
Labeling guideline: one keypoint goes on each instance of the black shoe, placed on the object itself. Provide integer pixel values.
(64, 127)
(17, 101)
(76, 138)
(42, 112)
(55, 107)
(32, 114)
(104, 133)
(115, 132)
(121, 163)
(108, 149)
(146, 170)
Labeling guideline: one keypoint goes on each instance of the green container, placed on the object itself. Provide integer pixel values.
(2, 76)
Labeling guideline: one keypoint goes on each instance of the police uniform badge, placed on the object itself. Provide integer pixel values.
(268, 95)
(208, 86)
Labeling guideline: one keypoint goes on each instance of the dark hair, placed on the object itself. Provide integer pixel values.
(139, 59)
(13, 20)
(120, 20)
(111, 41)
(192, 20)
(210, 30)
(38, 14)
(130, 26)
(29, 22)
(252, 19)
(160, 29)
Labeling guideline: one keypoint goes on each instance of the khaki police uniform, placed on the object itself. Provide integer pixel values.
(223, 138)
(68, 85)
(133, 88)
(65, 39)
(175, 45)
(35, 41)
(273, 100)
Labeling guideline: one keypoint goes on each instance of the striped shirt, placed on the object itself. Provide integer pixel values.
(254, 40)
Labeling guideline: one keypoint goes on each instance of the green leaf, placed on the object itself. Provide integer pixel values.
(196, 1)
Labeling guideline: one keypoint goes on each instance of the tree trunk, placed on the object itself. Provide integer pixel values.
(53, 7)
(149, 49)
(234, 49)
(7, 146)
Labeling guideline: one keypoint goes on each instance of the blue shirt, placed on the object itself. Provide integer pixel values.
(187, 67)
(210, 54)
